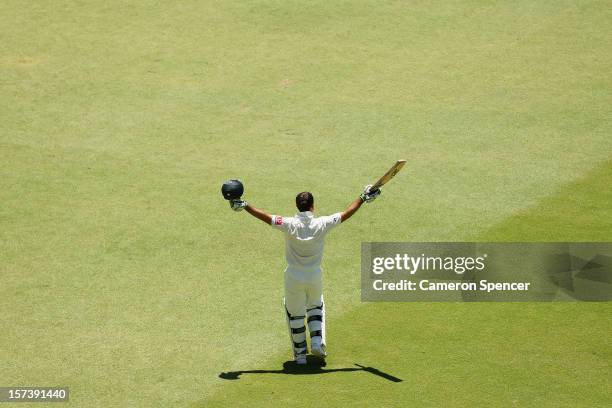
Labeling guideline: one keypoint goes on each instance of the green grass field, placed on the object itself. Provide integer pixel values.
(125, 276)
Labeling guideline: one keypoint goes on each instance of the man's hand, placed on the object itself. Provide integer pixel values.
(238, 205)
(368, 196)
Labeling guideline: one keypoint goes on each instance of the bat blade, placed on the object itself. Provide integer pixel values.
(388, 175)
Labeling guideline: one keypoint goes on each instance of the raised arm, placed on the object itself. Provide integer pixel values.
(239, 205)
(259, 214)
(366, 197)
(351, 209)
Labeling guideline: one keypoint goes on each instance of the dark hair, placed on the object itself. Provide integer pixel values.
(304, 201)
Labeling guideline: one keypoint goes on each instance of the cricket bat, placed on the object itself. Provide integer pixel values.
(388, 175)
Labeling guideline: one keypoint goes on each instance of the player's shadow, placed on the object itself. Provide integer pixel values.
(314, 366)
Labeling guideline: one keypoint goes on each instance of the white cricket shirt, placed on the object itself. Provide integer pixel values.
(304, 239)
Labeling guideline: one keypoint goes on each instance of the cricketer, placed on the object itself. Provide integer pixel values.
(304, 240)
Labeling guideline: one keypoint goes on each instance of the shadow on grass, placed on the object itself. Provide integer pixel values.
(314, 366)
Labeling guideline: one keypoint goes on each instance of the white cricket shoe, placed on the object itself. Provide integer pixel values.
(318, 349)
(301, 359)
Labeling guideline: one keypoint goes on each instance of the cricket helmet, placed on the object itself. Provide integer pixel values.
(232, 189)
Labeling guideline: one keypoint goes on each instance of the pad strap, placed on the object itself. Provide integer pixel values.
(315, 308)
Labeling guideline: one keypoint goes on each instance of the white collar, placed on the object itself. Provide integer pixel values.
(308, 214)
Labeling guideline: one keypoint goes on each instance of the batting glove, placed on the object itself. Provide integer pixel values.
(238, 205)
(368, 196)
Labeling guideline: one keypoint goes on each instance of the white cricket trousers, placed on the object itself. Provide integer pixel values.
(302, 291)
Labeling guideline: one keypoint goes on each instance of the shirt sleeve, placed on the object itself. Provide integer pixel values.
(280, 223)
(331, 221)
